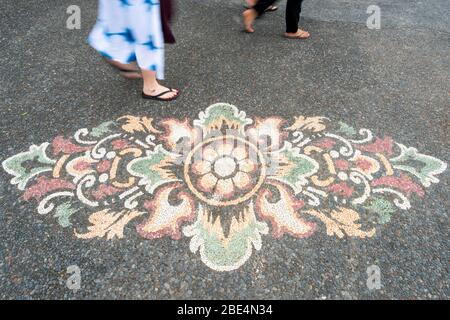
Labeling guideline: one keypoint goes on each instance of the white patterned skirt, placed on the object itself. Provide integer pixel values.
(130, 30)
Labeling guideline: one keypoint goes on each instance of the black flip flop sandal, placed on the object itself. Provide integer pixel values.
(158, 97)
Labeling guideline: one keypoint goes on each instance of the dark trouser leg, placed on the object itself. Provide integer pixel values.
(293, 9)
(262, 5)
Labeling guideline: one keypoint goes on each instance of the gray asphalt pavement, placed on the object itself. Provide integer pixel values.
(393, 81)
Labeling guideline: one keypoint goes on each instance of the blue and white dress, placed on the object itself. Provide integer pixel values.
(130, 30)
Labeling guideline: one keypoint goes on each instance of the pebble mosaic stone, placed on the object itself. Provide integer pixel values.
(225, 180)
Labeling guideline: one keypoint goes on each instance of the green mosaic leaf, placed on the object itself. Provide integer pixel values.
(36, 157)
(216, 114)
(152, 169)
(102, 129)
(229, 254)
(383, 207)
(63, 212)
(426, 172)
(344, 128)
(294, 167)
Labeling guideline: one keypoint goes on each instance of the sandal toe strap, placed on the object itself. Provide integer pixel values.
(163, 93)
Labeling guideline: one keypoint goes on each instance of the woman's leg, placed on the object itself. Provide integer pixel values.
(293, 10)
(153, 88)
(148, 42)
(258, 9)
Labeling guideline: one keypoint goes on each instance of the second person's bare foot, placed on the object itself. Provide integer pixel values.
(300, 34)
(249, 17)
(129, 71)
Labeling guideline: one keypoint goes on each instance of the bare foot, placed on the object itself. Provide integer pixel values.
(300, 34)
(249, 17)
(129, 70)
(158, 89)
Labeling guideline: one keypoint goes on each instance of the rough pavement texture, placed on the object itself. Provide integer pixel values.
(393, 81)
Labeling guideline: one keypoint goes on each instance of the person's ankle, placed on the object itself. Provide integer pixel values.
(291, 33)
(149, 89)
(251, 12)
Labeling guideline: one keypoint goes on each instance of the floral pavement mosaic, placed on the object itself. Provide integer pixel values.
(224, 180)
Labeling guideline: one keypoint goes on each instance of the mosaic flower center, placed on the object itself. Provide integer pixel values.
(224, 171)
(225, 166)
